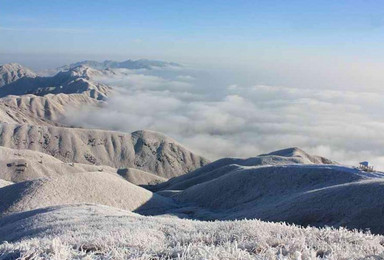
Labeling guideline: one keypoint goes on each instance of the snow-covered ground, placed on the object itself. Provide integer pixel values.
(316, 195)
(101, 232)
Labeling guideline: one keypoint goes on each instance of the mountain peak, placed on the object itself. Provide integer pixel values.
(289, 152)
(298, 152)
(74, 80)
(11, 72)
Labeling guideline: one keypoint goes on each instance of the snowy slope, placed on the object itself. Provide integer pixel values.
(145, 150)
(139, 177)
(31, 99)
(4, 183)
(81, 187)
(42, 110)
(223, 166)
(23, 165)
(314, 195)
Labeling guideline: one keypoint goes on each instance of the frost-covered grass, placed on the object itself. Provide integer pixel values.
(100, 232)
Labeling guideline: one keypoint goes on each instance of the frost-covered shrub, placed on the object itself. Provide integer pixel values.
(99, 232)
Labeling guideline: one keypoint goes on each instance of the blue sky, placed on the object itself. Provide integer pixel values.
(297, 73)
(272, 33)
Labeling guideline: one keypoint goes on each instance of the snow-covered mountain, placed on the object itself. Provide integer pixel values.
(128, 64)
(25, 165)
(287, 185)
(44, 100)
(223, 166)
(145, 150)
(49, 109)
(12, 72)
(32, 102)
(75, 80)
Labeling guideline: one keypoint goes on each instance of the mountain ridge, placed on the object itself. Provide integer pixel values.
(127, 64)
(11, 72)
(75, 80)
(222, 166)
(149, 151)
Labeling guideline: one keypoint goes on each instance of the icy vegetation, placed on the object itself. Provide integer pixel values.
(99, 232)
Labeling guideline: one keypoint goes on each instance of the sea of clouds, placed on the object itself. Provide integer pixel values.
(218, 116)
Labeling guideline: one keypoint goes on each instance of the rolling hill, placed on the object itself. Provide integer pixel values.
(80, 187)
(223, 166)
(22, 165)
(139, 177)
(316, 195)
(145, 150)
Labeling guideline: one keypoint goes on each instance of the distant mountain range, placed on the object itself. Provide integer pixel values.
(32, 101)
(26, 97)
(74, 80)
(128, 64)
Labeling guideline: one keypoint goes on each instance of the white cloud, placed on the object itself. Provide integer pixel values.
(185, 77)
(243, 121)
